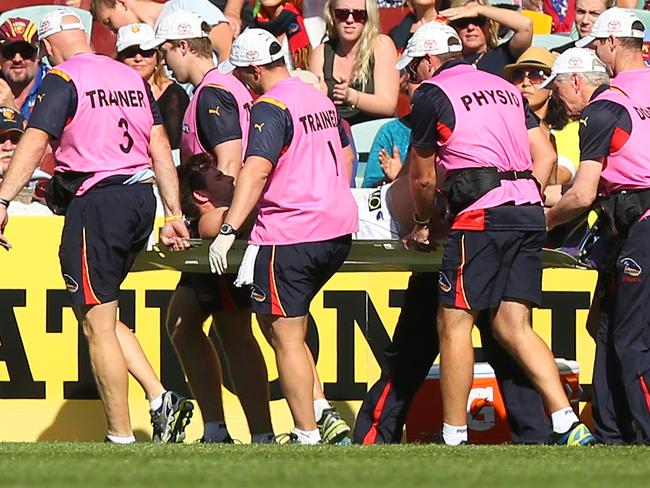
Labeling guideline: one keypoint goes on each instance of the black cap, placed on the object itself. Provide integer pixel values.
(11, 120)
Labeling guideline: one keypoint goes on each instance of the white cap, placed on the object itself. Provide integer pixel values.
(52, 22)
(615, 22)
(133, 35)
(177, 24)
(431, 38)
(575, 60)
(253, 47)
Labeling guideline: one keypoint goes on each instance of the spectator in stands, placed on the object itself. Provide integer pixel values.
(283, 19)
(476, 24)
(171, 97)
(388, 150)
(21, 69)
(118, 13)
(422, 11)
(11, 130)
(356, 66)
(586, 13)
(531, 69)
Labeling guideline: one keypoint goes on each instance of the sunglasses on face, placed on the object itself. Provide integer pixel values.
(479, 21)
(26, 51)
(358, 15)
(412, 69)
(133, 51)
(536, 76)
(14, 137)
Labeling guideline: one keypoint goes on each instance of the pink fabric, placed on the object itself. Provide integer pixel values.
(109, 134)
(307, 197)
(629, 167)
(190, 143)
(490, 131)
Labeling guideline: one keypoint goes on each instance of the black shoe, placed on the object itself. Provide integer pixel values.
(227, 440)
(438, 438)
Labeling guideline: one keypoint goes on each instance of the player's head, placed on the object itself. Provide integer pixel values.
(575, 75)
(61, 33)
(256, 57)
(182, 37)
(18, 50)
(616, 32)
(114, 13)
(11, 130)
(203, 187)
(430, 46)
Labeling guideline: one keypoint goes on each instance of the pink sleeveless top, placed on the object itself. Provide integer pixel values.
(307, 197)
(490, 131)
(190, 143)
(629, 167)
(110, 131)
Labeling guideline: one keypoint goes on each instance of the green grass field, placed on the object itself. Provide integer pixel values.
(405, 466)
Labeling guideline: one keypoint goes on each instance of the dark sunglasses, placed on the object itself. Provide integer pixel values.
(14, 137)
(412, 69)
(133, 51)
(358, 15)
(536, 76)
(479, 21)
(26, 51)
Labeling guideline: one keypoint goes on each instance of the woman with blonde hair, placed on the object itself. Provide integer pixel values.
(172, 99)
(477, 24)
(356, 66)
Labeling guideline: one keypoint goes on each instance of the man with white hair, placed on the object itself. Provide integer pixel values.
(469, 127)
(615, 165)
(103, 188)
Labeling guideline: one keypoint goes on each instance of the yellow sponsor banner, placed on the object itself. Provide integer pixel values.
(47, 392)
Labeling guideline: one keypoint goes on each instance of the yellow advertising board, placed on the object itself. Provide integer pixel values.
(47, 391)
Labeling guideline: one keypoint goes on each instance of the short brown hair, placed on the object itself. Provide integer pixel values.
(201, 46)
(200, 173)
(96, 5)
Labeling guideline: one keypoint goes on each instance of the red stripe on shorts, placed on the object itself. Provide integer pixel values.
(89, 294)
(276, 306)
(460, 300)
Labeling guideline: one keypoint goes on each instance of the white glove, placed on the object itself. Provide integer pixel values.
(219, 252)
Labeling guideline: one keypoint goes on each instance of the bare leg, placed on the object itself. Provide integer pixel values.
(512, 328)
(247, 368)
(319, 394)
(456, 362)
(137, 363)
(196, 352)
(287, 337)
(108, 364)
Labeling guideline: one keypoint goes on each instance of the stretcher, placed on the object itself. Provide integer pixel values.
(364, 256)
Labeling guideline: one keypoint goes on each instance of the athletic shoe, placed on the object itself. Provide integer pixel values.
(170, 420)
(438, 438)
(227, 440)
(287, 438)
(332, 427)
(108, 441)
(577, 435)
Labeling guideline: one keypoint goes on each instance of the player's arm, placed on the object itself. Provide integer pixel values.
(56, 104)
(598, 124)
(270, 132)
(217, 116)
(541, 150)
(348, 153)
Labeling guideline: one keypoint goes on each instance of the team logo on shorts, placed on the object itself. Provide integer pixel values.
(443, 283)
(70, 283)
(631, 268)
(257, 293)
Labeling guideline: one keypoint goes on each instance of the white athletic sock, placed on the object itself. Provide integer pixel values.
(265, 438)
(320, 405)
(563, 420)
(117, 439)
(215, 431)
(453, 435)
(156, 403)
(307, 436)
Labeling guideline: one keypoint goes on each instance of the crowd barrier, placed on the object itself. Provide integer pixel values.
(47, 391)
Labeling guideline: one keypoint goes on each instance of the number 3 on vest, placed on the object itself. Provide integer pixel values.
(129, 140)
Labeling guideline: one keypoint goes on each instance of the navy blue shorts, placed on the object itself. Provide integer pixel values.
(104, 231)
(216, 293)
(482, 268)
(288, 277)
